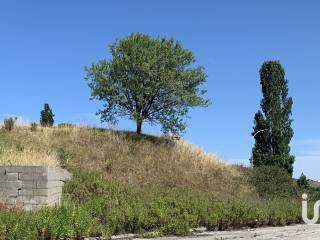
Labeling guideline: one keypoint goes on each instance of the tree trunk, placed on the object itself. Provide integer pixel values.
(139, 127)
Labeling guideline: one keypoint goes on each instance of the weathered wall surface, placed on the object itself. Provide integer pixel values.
(31, 187)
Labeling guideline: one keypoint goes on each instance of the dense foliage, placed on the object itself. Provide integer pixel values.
(303, 182)
(47, 116)
(273, 182)
(150, 80)
(272, 130)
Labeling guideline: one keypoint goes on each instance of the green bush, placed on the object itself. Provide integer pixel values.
(66, 222)
(273, 182)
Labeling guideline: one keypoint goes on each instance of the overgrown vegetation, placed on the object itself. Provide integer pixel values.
(128, 183)
(103, 207)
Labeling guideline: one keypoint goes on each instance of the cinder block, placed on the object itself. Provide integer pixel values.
(9, 193)
(49, 184)
(32, 176)
(60, 173)
(19, 169)
(42, 199)
(32, 187)
(47, 191)
(3, 177)
(12, 176)
(41, 192)
(2, 170)
(9, 177)
(11, 184)
(26, 192)
(11, 201)
(29, 184)
(26, 200)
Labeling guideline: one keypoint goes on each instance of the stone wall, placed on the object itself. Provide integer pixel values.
(31, 187)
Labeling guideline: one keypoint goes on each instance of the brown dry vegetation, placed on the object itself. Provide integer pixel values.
(123, 156)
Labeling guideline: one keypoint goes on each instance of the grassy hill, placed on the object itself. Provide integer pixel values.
(128, 183)
(123, 156)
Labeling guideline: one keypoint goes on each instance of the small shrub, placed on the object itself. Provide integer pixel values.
(65, 125)
(9, 124)
(33, 127)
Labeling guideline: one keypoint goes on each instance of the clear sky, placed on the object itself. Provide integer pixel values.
(45, 45)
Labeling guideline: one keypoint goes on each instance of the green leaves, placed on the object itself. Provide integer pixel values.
(46, 119)
(148, 80)
(272, 145)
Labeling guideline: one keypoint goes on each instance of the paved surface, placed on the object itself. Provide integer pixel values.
(296, 232)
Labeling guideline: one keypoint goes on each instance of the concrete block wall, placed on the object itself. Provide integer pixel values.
(31, 187)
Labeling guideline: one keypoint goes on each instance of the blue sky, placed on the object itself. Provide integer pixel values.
(45, 45)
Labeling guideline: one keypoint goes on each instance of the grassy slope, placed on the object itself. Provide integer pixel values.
(124, 183)
(124, 157)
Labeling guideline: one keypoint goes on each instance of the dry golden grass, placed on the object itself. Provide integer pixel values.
(123, 156)
(27, 157)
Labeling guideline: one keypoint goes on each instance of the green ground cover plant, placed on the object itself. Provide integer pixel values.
(94, 206)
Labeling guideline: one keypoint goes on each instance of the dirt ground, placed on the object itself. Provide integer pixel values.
(295, 232)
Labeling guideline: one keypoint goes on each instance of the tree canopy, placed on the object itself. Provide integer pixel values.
(148, 79)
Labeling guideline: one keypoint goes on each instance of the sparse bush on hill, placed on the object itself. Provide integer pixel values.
(33, 127)
(66, 125)
(9, 124)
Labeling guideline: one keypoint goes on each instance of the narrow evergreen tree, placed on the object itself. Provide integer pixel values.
(46, 119)
(273, 121)
(303, 181)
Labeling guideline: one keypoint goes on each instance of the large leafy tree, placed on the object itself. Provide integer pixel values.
(272, 124)
(148, 79)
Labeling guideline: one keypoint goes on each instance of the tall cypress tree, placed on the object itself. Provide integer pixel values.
(47, 116)
(273, 121)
